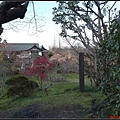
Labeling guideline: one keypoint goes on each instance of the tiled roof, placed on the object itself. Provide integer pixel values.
(20, 46)
(35, 48)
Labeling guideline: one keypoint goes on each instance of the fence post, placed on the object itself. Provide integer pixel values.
(81, 71)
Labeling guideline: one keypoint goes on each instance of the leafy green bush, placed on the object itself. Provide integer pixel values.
(50, 54)
(15, 80)
(21, 86)
(109, 69)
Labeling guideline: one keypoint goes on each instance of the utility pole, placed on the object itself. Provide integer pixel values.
(81, 71)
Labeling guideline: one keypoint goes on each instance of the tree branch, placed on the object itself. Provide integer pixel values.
(34, 16)
(103, 25)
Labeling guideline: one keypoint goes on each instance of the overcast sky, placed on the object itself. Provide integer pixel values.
(46, 38)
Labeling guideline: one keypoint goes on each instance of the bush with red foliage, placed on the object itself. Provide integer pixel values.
(41, 67)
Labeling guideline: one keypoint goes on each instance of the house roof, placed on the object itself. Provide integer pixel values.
(36, 48)
(20, 46)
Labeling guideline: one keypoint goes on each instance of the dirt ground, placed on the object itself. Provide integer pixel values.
(39, 111)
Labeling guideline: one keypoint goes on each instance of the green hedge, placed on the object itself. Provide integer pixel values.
(21, 86)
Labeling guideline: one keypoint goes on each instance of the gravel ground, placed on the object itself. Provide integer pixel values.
(39, 111)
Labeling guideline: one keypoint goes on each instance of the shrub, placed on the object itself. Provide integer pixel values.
(108, 62)
(50, 54)
(21, 86)
(16, 80)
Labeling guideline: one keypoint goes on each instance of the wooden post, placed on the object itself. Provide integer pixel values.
(81, 71)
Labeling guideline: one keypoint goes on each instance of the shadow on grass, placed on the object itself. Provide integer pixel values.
(90, 89)
(77, 89)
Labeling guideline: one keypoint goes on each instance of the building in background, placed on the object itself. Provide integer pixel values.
(22, 53)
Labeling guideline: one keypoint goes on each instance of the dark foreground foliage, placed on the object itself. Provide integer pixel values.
(20, 86)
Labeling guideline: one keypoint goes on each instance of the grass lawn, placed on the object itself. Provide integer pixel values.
(60, 94)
